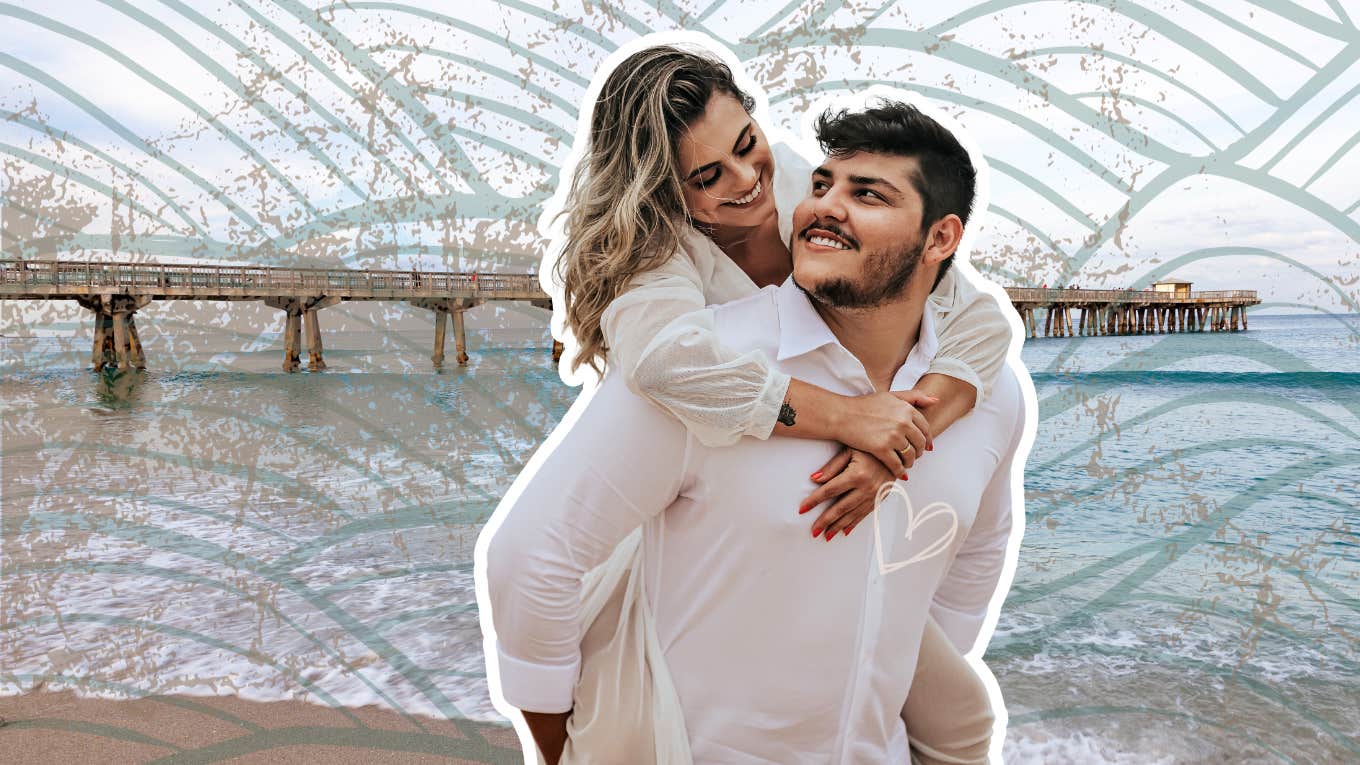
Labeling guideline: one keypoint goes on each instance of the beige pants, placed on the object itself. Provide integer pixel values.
(625, 709)
(949, 718)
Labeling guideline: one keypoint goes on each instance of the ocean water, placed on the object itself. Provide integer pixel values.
(1188, 587)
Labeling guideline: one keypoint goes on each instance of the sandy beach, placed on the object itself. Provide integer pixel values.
(59, 727)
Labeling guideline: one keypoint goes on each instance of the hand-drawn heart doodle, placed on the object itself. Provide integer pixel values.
(915, 521)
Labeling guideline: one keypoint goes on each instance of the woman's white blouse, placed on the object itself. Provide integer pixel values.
(659, 336)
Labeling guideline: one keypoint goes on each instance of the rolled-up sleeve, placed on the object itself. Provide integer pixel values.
(974, 335)
(663, 340)
(615, 462)
(971, 584)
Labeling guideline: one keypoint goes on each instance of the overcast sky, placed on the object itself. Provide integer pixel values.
(1223, 136)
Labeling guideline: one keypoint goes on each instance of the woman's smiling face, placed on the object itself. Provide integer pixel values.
(726, 167)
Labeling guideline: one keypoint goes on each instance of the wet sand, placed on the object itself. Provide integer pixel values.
(58, 727)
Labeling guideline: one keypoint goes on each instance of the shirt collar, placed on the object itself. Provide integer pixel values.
(946, 292)
(802, 330)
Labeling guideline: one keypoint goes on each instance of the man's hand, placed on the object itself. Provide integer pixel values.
(549, 730)
(889, 426)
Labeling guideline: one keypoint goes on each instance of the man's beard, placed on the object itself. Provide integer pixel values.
(886, 274)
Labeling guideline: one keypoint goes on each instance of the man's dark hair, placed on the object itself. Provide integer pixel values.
(947, 181)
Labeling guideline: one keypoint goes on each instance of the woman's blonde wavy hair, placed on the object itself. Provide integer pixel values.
(625, 207)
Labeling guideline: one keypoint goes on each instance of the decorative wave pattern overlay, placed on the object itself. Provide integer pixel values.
(1189, 585)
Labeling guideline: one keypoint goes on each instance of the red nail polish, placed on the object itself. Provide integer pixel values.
(830, 535)
(904, 476)
(930, 447)
(804, 509)
(816, 533)
(817, 476)
(847, 531)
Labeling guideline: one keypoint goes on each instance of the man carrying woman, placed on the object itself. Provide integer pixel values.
(639, 583)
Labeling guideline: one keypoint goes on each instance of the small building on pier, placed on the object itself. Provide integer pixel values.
(1172, 287)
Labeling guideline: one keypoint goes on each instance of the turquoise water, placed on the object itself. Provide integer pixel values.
(1188, 582)
(1188, 587)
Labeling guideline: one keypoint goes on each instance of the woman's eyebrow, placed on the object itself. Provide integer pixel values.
(741, 136)
(698, 170)
(735, 146)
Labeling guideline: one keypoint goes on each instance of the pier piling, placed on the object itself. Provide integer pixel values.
(101, 329)
(441, 323)
(300, 310)
(315, 362)
(444, 309)
(135, 343)
(459, 336)
(116, 341)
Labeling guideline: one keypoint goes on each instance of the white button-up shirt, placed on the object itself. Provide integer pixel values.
(660, 337)
(782, 648)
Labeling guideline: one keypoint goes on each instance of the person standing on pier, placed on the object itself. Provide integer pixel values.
(728, 212)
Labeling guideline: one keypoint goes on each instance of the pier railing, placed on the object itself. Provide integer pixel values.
(88, 277)
(1130, 312)
(114, 292)
(1077, 296)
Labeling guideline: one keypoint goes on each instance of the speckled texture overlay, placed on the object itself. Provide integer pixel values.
(1187, 590)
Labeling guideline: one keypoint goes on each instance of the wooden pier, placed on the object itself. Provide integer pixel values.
(114, 292)
(1131, 312)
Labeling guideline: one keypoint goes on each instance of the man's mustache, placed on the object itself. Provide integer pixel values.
(830, 228)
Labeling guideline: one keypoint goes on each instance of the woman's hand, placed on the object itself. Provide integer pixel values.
(888, 426)
(854, 477)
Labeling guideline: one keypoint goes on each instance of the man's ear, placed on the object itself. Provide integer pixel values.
(942, 239)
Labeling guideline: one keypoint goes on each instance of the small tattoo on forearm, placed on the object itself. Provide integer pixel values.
(787, 413)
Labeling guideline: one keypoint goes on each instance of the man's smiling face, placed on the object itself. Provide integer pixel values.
(858, 237)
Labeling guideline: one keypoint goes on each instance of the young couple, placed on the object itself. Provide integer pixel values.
(676, 576)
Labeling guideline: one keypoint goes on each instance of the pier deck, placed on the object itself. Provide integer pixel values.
(114, 292)
(1131, 312)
